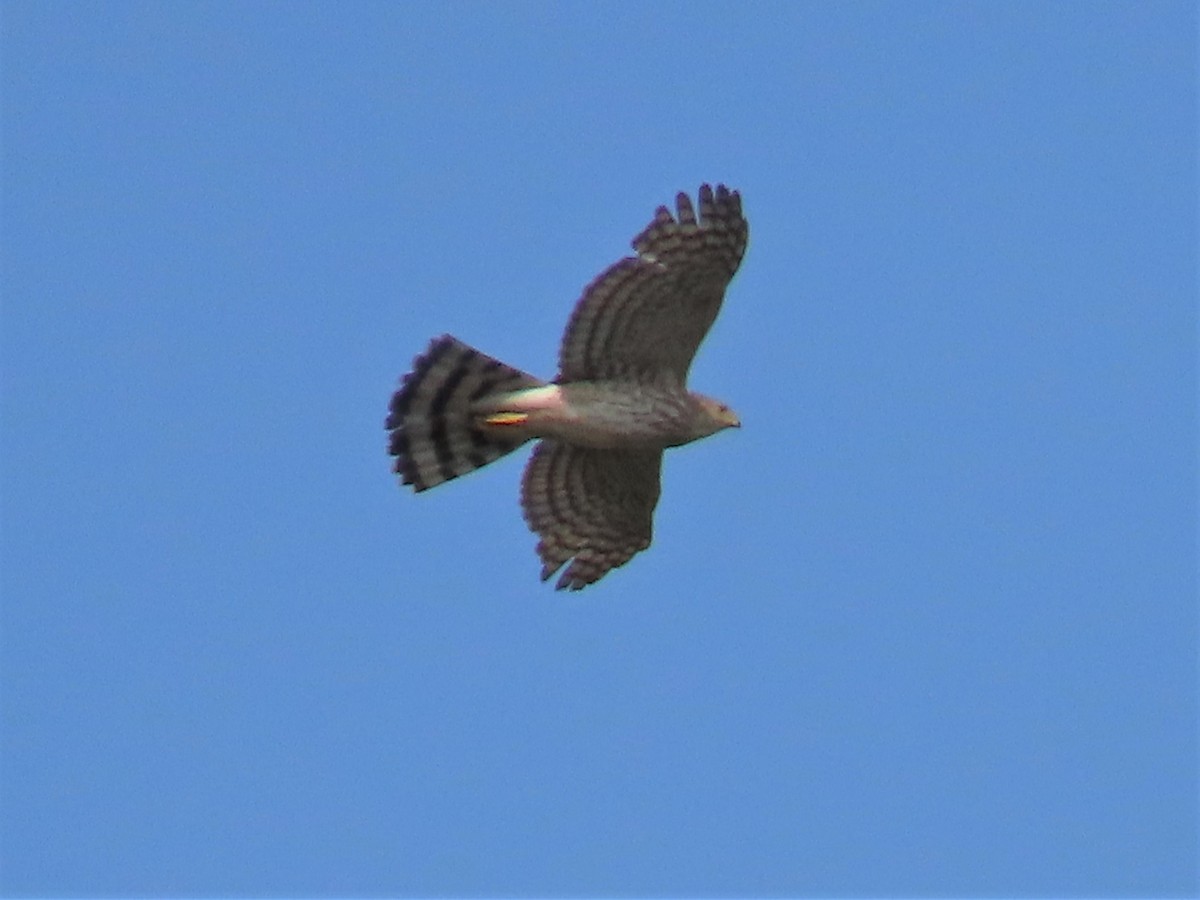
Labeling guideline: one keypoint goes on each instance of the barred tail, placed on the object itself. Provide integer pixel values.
(434, 435)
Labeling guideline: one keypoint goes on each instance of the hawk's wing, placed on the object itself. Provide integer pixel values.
(591, 507)
(645, 316)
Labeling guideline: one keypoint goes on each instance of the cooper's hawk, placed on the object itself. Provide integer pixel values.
(619, 400)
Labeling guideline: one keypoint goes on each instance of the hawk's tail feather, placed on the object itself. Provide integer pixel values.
(434, 434)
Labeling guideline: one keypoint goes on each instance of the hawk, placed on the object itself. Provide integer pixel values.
(619, 400)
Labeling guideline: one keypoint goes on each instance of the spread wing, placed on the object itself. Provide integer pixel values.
(592, 508)
(644, 317)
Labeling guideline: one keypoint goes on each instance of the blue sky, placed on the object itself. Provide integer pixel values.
(926, 625)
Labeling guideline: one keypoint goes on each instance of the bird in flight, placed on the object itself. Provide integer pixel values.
(619, 400)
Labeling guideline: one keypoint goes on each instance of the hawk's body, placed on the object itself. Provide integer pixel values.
(619, 400)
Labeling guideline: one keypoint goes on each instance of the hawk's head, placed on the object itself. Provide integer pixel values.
(713, 416)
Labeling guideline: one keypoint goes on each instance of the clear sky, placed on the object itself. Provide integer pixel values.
(925, 625)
